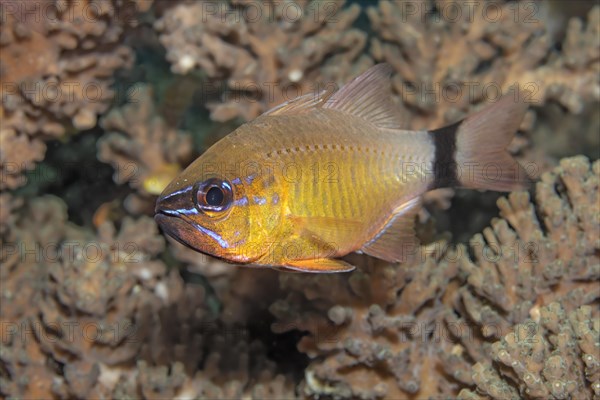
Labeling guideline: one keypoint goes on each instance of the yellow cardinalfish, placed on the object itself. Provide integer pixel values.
(325, 175)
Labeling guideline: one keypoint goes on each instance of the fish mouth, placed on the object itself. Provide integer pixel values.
(187, 232)
(179, 229)
(174, 215)
(171, 213)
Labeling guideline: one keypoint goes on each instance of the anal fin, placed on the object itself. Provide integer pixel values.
(318, 265)
(396, 241)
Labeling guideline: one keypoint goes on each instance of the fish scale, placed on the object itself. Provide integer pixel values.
(362, 167)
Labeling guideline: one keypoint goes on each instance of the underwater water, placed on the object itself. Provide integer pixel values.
(106, 102)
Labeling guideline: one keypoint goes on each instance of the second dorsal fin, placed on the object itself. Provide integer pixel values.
(369, 96)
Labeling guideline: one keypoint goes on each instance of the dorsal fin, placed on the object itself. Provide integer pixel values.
(369, 96)
(302, 104)
(396, 241)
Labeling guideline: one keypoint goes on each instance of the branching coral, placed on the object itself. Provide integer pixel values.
(23, 369)
(450, 55)
(139, 145)
(522, 262)
(238, 369)
(23, 249)
(554, 355)
(8, 207)
(375, 333)
(18, 153)
(95, 306)
(234, 379)
(53, 46)
(266, 52)
(57, 66)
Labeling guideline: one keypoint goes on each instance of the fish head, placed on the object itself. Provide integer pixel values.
(216, 207)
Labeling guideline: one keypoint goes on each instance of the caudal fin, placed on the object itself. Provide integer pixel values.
(472, 153)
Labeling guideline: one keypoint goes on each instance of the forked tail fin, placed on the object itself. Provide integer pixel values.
(472, 153)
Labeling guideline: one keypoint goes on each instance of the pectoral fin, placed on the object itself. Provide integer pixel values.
(319, 265)
(327, 231)
(396, 241)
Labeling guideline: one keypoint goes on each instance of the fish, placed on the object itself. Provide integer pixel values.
(327, 174)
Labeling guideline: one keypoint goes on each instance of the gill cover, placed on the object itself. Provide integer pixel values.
(212, 207)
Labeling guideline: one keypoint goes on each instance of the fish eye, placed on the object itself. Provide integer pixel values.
(214, 195)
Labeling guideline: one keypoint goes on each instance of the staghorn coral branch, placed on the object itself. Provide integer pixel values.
(548, 357)
(265, 52)
(138, 144)
(56, 70)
